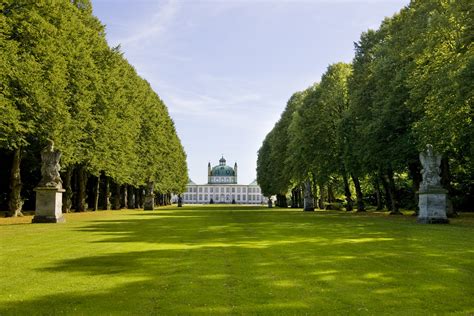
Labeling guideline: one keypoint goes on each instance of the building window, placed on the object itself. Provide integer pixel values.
(233, 190)
(200, 197)
(243, 197)
(210, 190)
(243, 190)
(205, 197)
(238, 197)
(238, 190)
(200, 190)
(227, 190)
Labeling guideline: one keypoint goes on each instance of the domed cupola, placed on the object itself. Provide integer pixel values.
(222, 174)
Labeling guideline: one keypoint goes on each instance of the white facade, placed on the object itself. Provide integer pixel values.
(222, 188)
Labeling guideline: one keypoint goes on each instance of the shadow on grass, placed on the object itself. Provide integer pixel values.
(261, 262)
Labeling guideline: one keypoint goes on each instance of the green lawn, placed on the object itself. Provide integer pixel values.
(236, 260)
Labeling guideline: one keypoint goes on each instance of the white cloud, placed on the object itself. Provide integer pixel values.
(160, 21)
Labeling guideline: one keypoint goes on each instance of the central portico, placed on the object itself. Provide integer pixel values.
(222, 187)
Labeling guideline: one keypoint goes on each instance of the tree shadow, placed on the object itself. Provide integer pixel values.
(200, 263)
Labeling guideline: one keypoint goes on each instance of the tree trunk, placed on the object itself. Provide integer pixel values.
(392, 191)
(331, 199)
(378, 193)
(15, 203)
(360, 201)
(315, 192)
(131, 197)
(82, 189)
(136, 192)
(116, 197)
(446, 183)
(347, 192)
(386, 191)
(415, 173)
(124, 197)
(67, 196)
(141, 200)
(107, 194)
(321, 197)
(282, 201)
(301, 196)
(96, 194)
(293, 198)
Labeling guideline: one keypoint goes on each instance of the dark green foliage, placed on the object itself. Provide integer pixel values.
(411, 83)
(59, 80)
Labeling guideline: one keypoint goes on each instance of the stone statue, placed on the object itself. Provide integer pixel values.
(431, 170)
(308, 202)
(50, 167)
(149, 203)
(432, 198)
(150, 187)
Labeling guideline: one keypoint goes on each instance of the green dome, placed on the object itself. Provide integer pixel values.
(222, 171)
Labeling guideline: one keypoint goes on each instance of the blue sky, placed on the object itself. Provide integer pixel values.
(226, 69)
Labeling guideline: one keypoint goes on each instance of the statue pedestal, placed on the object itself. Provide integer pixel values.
(270, 203)
(149, 204)
(432, 204)
(308, 204)
(49, 203)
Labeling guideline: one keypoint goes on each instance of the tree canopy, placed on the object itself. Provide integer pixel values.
(60, 81)
(410, 84)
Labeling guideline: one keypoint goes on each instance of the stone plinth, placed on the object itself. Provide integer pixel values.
(149, 204)
(180, 202)
(308, 204)
(432, 204)
(49, 201)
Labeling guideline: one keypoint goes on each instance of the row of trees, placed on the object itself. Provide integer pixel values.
(411, 83)
(60, 80)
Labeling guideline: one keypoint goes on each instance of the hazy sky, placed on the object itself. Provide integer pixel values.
(226, 69)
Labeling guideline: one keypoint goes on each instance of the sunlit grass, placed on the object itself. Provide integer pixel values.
(236, 260)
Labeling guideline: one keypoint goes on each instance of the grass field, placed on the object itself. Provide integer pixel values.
(202, 260)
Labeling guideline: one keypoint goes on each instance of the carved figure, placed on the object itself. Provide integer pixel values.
(307, 190)
(430, 172)
(50, 167)
(150, 187)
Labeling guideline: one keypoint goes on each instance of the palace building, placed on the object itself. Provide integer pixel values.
(222, 188)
